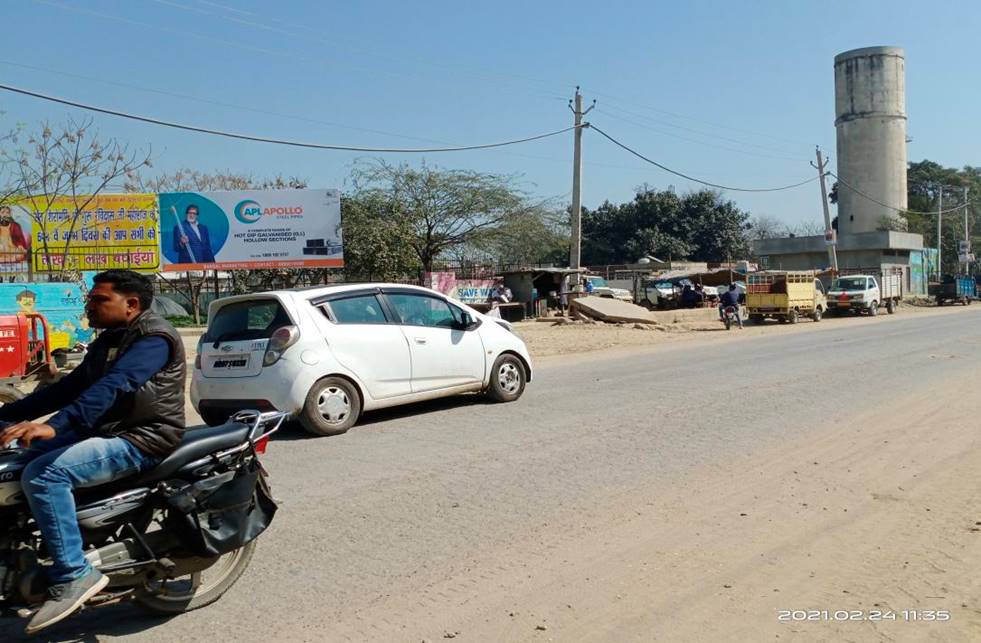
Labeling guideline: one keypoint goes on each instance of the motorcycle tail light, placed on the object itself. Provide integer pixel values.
(261, 444)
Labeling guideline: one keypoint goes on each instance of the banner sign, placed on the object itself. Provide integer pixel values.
(86, 233)
(15, 243)
(251, 229)
(467, 291)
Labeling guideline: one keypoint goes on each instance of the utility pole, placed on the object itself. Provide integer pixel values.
(831, 243)
(575, 251)
(940, 218)
(967, 239)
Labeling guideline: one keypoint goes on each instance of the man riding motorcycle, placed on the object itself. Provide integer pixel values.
(730, 298)
(121, 411)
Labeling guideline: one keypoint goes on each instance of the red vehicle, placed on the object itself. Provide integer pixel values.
(25, 353)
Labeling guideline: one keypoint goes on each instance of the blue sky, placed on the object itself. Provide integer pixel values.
(736, 93)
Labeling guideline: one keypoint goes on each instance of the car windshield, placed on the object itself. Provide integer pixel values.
(256, 319)
(664, 285)
(854, 283)
(598, 282)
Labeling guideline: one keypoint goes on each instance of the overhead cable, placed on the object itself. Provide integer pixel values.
(691, 178)
(892, 207)
(262, 139)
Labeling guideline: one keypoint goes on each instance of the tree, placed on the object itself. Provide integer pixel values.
(69, 163)
(440, 210)
(375, 246)
(700, 225)
(764, 226)
(536, 234)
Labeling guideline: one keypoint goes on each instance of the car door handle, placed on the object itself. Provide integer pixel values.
(420, 340)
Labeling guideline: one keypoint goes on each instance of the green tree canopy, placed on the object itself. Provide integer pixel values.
(699, 226)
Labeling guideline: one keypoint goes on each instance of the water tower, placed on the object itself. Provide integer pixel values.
(870, 111)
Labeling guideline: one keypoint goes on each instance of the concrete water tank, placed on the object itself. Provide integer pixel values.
(870, 110)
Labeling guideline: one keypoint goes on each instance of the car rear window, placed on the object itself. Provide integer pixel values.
(256, 319)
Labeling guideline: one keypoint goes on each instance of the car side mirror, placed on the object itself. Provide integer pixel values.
(467, 321)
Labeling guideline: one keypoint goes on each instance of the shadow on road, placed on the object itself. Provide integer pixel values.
(88, 625)
(293, 430)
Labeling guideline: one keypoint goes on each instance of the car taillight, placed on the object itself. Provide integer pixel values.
(281, 339)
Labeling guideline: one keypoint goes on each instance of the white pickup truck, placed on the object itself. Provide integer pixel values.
(865, 293)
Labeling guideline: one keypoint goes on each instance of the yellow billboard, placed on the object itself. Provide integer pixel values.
(95, 233)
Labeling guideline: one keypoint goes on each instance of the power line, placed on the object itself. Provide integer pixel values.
(696, 141)
(704, 133)
(208, 101)
(691, 178)
(261, 139)
(892, 207)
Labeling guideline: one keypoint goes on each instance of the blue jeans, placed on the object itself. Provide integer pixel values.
(66, 462)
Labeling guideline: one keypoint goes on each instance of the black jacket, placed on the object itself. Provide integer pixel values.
(152, 417)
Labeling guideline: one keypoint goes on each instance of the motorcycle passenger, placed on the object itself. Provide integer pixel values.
(730, 298)
(119, 412)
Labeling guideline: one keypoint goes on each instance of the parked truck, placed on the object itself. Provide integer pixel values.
(954, 289)
(785, 296)
(866, 292)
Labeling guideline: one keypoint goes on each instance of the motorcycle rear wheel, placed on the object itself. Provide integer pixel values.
(192, 591)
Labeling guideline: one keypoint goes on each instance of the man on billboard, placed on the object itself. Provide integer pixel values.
(192, 243)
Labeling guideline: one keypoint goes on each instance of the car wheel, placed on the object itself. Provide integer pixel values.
(793, 316)
(507, 381)
(891, 306)
(873, 309)
(332, 407)
(816, 315)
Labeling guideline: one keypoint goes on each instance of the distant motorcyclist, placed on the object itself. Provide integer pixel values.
(730, 298)
(119, 412)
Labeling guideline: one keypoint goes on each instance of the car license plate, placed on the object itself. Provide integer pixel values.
(230, 362)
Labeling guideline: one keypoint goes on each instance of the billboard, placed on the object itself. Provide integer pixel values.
(62, 305)
(93, 233)
(467, 291)
(251, 229)
(15, 243)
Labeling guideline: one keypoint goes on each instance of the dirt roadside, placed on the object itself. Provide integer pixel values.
(879, 517)
(549, 340)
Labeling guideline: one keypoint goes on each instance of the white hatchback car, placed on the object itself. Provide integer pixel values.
(327, 353)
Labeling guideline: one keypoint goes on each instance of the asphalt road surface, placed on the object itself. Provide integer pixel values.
(468, 520)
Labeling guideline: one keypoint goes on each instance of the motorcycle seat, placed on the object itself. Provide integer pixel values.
(195, 444)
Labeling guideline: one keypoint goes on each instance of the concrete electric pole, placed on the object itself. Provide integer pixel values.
(575, 250)
(967, 240)
(940, 218)
(828, 230)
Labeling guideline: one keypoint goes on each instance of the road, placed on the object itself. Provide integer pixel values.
(683, 493)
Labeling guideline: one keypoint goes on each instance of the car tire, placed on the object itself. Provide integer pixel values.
(793, 316)
(890, 306)
(508, 379)
(873, 309)
(816, 315)
(333, 406)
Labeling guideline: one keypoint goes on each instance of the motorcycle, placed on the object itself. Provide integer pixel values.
(172, 539)
(729, 316)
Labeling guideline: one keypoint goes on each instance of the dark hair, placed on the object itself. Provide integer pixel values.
(127, 282)
(25, 293)
(732, 286)
(188, 209)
